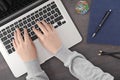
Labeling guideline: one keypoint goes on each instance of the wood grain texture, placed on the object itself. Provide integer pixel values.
(55, 68)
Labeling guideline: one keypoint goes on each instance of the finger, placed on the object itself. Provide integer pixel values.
(46, 26)
(44, 30)
(52, 27)
(14, 44)
(16, 39)
(38, 33)
(19, 36)
(26, 36)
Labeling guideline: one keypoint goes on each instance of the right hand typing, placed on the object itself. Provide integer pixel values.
(49, 39)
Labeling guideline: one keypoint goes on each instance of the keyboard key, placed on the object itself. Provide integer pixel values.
(32, 33)
(36, 15)
(41, 18)
(20, 21)
(12, 33)
(21, 24)
(25, 22)
(11, 44)
(48, 13)
(32, 14)
(36, 12)
(28, 16)
(63, 22)
(11, 25)
(48, 5)
(13, 49)
(45, 16)
(53, 3)
(52, 11)
(52, 22)
(8, 35)
(48, 19)
(1, 35)
(53, 6)
(44, 7)
(40, 9)
(24, 18)
(17, 26)
(34, 37)
(8, 47)
(48, 9)
(21, 29)
(4, 33)
(13, 28)
(8, 30)
(56, 15)
(41, 13)
(36, 20)
(33, 22)
(56, 26)
(29, 25)
(28, 19)
(52, 17)
(32, 17)
(58, 18)
(7, 27)
(57, 10)
(24, 26)
(9, 51)
(59, 23)
(29, 30)
(6, 42)
(44, 11)
(36, 26)
(3, 30)
(11, 38)
(15, 23)
(4, 38)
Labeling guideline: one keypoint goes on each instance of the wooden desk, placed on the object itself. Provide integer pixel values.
(56, 70)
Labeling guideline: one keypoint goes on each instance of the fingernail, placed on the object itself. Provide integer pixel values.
(33, 28)
(14, 32)
(37, 22)
(12, 40)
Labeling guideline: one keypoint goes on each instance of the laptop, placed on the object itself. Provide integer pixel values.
(53, 12)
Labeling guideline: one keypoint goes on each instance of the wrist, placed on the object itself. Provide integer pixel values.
(63, 53)
(33, 67)
(56, 49)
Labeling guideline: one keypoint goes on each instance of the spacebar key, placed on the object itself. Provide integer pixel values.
(34, 38)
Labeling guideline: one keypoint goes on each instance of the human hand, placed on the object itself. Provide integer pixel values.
(25, 48)
(49, 39)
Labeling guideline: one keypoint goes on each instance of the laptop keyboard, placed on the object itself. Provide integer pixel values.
(50, 13)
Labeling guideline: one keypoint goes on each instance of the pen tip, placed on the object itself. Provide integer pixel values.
(110, 10)
(99, 54)
(93, 35)
(100, 51)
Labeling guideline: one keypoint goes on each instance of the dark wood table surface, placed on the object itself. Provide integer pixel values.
(55, 68)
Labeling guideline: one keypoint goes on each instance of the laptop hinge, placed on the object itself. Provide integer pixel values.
(22, 11)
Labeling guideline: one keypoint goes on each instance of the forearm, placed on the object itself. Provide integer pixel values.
(34, 71)
(80, 67)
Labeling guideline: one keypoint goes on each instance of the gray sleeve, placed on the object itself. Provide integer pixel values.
(34, 71)
(80, 67)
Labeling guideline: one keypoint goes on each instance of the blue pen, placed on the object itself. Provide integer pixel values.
(102, 22)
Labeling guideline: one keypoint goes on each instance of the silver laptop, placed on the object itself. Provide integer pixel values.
(53, 12)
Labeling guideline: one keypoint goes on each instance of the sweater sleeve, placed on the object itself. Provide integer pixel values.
(80, 67)
(34, 71)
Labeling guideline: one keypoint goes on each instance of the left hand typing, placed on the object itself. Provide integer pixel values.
(25, 48)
